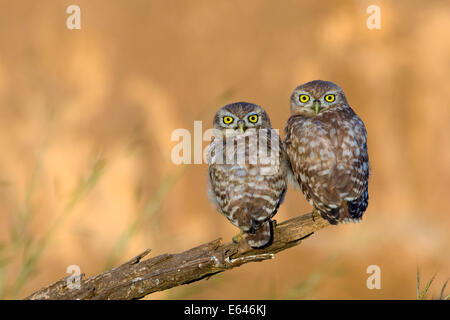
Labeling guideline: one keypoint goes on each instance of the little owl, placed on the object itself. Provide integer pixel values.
(327, 146)
(247, 170)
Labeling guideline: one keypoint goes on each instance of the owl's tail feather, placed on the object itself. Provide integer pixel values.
(261, 236)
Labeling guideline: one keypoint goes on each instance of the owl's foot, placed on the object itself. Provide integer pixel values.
(315, 214)
(238, 237)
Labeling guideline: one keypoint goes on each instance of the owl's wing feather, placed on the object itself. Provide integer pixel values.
(210, 190)
(312, 156)
(330, 162)
(351, 171)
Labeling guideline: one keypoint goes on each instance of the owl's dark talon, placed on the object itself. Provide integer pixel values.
(314, 214)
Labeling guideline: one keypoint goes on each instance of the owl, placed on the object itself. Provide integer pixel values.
(247, 170)
(327, 146)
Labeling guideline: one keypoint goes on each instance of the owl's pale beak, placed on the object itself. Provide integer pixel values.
(316, 106)
(241, 126)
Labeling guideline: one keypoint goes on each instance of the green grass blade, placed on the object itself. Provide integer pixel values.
(427, 287)
(418, 284)
(441, 297)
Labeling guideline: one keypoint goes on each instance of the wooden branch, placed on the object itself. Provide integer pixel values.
(138, 278)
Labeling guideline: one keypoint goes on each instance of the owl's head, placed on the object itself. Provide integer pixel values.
(238, 117)
(312, 98)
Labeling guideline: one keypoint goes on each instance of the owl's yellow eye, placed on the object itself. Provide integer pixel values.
(253, 118)
(303, 98)
(330, 97)
(227, 119)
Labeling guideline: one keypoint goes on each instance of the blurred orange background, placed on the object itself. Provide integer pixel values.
(86, 118)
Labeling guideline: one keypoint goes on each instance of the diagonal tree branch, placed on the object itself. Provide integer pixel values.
(138, 278)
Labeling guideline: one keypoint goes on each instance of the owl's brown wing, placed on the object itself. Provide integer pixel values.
(351, 170)
(268, 186)
(313, 158)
